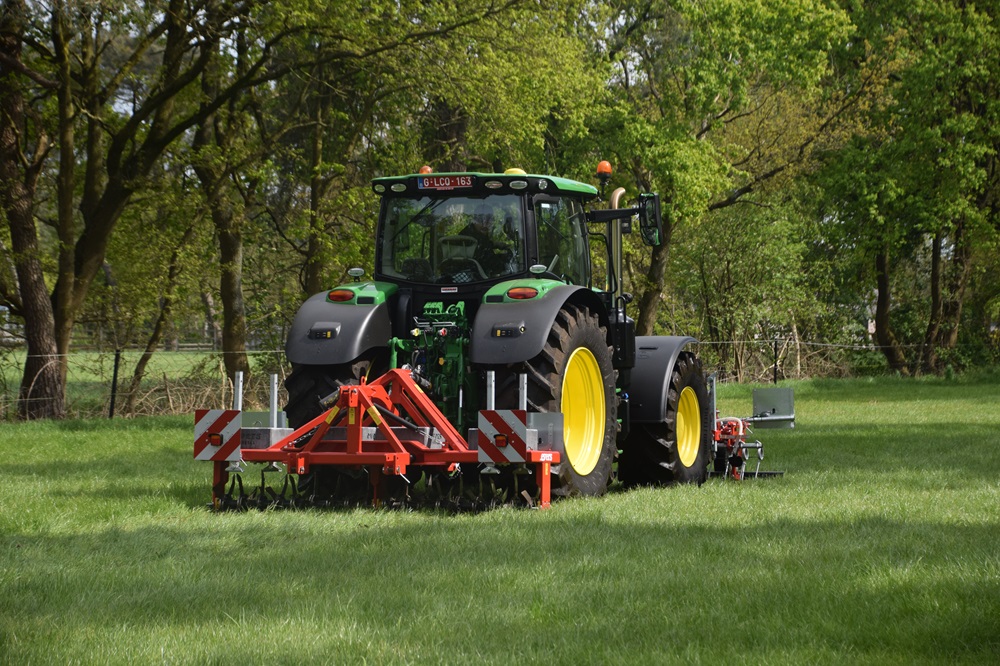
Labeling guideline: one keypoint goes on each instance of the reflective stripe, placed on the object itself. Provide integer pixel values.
(223, 422)
(508, 422)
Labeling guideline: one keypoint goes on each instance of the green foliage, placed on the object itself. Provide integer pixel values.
(164, 225)
(921, 168)
(743, 268)
(710, 102)
(726, 108)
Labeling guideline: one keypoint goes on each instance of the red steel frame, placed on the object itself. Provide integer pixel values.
(357, 407)
(731, 434)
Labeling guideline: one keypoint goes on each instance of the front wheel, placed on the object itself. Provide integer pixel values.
(676, 450)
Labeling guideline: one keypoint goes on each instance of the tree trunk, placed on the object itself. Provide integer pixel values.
(955, 281)
(649, 300)
(213, 177)
(447, 141)
(227, 227)
(315, 263)
(798, 346)
(65, 180)
(234, 325)
(929, 357)
(886, 339)
(42, 392)
(211, 319)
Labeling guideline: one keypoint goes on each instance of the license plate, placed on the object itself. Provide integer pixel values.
(443, 182)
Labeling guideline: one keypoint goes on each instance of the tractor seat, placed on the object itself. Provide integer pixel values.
(458, 247)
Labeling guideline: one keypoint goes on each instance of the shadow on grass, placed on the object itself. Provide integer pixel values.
(911, 590)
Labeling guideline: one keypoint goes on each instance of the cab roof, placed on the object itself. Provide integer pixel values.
(479, 184)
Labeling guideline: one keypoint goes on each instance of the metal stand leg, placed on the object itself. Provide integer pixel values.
(220, 477)
(375, 478)
(544, 485)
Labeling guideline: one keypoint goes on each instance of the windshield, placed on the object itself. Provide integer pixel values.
(452, 240)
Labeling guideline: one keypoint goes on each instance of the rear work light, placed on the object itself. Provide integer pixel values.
(340, 295)
(522, 293)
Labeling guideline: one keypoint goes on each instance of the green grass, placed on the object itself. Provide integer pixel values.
(880, 545)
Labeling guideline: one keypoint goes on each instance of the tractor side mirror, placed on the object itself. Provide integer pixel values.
(650, 219)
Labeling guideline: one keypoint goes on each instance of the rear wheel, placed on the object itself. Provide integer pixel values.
(677, 450)
(307, 385)
(573, 375)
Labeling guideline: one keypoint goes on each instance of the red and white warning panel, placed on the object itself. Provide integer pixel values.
(217, 434)
(503, 436)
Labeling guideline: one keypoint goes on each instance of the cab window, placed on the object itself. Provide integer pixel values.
(562, 238)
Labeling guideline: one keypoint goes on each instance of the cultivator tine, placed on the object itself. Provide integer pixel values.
(231, 500)
(450, 492)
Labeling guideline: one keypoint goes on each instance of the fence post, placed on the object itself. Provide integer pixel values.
(114, 383)
(775, 360)
(273, 414)
(238, 390)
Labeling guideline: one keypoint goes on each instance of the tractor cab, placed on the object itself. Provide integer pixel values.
(437, 231)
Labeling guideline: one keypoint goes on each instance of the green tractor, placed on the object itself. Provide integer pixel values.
(484, 289)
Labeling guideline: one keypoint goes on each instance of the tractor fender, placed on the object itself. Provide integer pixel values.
(325, 333)
(655, 356)
(515, 331)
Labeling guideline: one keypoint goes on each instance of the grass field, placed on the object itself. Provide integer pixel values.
(881, 544)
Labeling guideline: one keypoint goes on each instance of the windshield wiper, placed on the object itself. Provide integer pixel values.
(428, 208)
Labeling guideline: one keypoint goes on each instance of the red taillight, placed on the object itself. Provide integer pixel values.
(340, 295)
(522, 293)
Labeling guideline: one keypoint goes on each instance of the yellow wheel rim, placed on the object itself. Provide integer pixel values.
(688, 427)
(583, 411)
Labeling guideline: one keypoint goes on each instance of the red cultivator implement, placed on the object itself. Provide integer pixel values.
(377, 432)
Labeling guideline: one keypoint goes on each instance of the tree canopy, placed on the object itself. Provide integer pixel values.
(172, 168)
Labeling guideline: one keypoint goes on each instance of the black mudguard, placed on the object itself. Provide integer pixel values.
(514, 332)
(655, 356)
(325, 333)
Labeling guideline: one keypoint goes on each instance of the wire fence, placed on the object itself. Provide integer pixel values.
(107, 383)
(102, 383)
(771, 360)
